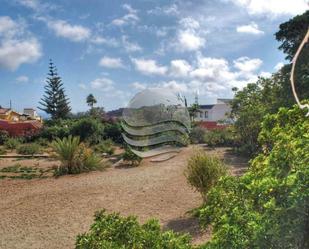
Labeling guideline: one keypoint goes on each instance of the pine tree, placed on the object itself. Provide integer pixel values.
(54, 101)
(91, 100)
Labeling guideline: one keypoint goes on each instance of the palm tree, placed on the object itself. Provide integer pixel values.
(91, 100)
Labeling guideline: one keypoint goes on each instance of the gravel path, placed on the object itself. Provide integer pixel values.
(49, 213)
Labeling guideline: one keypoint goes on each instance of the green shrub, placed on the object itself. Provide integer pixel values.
(74, 156)
(114, 231)
(11, 143)
(197, 135)
(131, 158)
(204, 171)
(219, 137)
(90, 130)
(267, 207)
(56, 131)
(113, 131)
(4, 136)
(2, 151)
(105, 146)
(28, 149)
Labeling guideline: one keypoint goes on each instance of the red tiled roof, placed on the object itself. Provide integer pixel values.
(211, 125)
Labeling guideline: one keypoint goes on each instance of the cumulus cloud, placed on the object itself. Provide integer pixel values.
(149, 67)
(22, 79)
(273, 8)
(278, 66)
(17, 45)
(139, 86)
(111, 62)
(247, 65)
(179, 68)
(75, 33)
(189, 37)
(170, 10)
(102, 84)
(82, 86)
(251, 28)
(130, 46)
(129, 18)
(99, 40)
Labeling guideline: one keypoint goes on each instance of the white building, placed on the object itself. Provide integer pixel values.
(215, 112)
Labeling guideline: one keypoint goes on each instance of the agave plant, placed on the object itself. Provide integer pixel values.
(66, 150)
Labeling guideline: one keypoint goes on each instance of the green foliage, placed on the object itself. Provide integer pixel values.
(90, 100)
(54, 101)
(4, 135)
(197, 135)
(268, 207)
(74, 156)
(29, 149)
(90, 130)
(52, 131)
(105, 146)
(114, 231)
(2, 151)
(204, 171)
(113, 131)
(220, 137)
(131, 158)
(11, 143)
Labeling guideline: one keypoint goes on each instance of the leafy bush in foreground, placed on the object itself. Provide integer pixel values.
(11, 143)
(4, 136)
(105, 147)
(197, 135)
(204, 171)
(219, 137)
(114, 231)
(268, 207)
(29, 149)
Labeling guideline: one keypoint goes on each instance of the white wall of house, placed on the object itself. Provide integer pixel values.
(217, 112)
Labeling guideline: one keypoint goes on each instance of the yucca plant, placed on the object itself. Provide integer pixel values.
(66, 151)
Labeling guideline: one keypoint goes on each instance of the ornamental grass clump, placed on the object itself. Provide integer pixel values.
(75, 157)
(204, 171)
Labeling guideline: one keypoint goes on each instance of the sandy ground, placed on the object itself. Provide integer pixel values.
(49, 213)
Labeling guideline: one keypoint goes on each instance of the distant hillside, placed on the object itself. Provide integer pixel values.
(115, 113)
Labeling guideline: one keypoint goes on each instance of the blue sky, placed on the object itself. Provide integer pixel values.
(114, 49)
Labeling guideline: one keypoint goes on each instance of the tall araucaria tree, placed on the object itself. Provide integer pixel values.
(54, 101)
(91, 100)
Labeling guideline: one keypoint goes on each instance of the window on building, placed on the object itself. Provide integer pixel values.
(201, 115)
(206, 114)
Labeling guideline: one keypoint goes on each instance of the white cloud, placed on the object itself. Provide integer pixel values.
(102, 84)
(22, 79)
(170, 10)
(189, 37)
(130, 46)
(75, 33)
(175, 86)
(82, 86)
(110, 62)
(179, 68)
(265, 74)
(247, 65)
(190, 41)
(139, 86)
(17, 45)
(130, 18)
(149, 67)
(105, 41)
(251, 28)
(278, 66)
(273, 8)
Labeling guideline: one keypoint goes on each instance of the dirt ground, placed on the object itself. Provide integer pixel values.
(50, 212)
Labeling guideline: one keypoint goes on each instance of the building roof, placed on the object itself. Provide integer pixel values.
(4, 110)
(206, 106)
